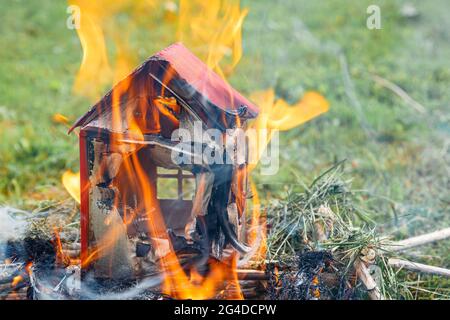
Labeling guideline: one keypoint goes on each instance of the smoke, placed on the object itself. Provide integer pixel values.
(13, 225)
(53, 283)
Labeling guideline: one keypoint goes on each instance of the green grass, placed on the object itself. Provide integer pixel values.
(398, 158)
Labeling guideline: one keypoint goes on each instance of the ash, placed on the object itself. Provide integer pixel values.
(304, 278)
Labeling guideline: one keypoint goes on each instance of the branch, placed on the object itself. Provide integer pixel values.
(418, 267)
(364, 276)
(421, 240)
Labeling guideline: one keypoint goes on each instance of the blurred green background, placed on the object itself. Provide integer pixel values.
(396, 155)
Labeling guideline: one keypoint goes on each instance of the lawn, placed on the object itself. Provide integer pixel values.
(397, 154)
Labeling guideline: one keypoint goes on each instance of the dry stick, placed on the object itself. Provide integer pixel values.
(418, 267)
(421, 240)
(399, 92)
(15, 294)
(71, 253)
(9, 271)
(10, 268)
(71, 246)
(362, 272)
(364, 276)
(7, 280)
(249, 274)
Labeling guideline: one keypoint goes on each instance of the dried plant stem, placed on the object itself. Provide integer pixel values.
(364, 276)
(72, 253)
(418, 267)
(421, 240)
(248, 274)
(10, 267)
(9, 271)
(399, 92)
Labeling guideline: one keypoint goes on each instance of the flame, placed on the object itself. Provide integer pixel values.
(59, 118)
(71, 182)
(180, 285)
(16, 280)
(28, 267)
(61, 257)
(274, 115)
(213, 31)
(277, 115)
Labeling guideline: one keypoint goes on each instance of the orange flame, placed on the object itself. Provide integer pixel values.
(213, 30)
(274, 115)
(257, 230)
(277, 115)
(61, 258)
(59, 118)
(16, 280)
(194, 286)
(71, 182)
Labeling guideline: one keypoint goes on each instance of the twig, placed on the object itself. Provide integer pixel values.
(71, 253)
(399, 92)
(9, 271)
(364, 276)
(10, 268)
(421, 240)
(418, 267)
(19, 294)
(248, 274)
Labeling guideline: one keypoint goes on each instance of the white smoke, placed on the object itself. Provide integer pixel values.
(13, 225)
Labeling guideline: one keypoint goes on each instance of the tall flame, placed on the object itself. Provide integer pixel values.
(213, 31)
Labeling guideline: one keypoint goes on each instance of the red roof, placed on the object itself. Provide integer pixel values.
(206, 81)
(197, 74)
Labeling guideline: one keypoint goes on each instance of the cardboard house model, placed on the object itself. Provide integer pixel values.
(126, 165)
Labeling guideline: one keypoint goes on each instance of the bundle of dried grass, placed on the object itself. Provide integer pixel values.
(324, 220)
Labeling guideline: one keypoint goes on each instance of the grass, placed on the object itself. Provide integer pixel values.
(397, 158)
(327, 216)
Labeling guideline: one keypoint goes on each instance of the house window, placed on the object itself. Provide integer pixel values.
(175, 184)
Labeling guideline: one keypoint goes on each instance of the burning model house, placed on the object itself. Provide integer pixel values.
(128, 151)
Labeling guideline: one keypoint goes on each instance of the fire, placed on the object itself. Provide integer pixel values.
(181, 285)
(95, 24)
(213, 30)
(16, 281)
(59, 118)
(28, 267)
(177, 282)
(71, 182)
(62, 259)
(257, 229)
(278, 115)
